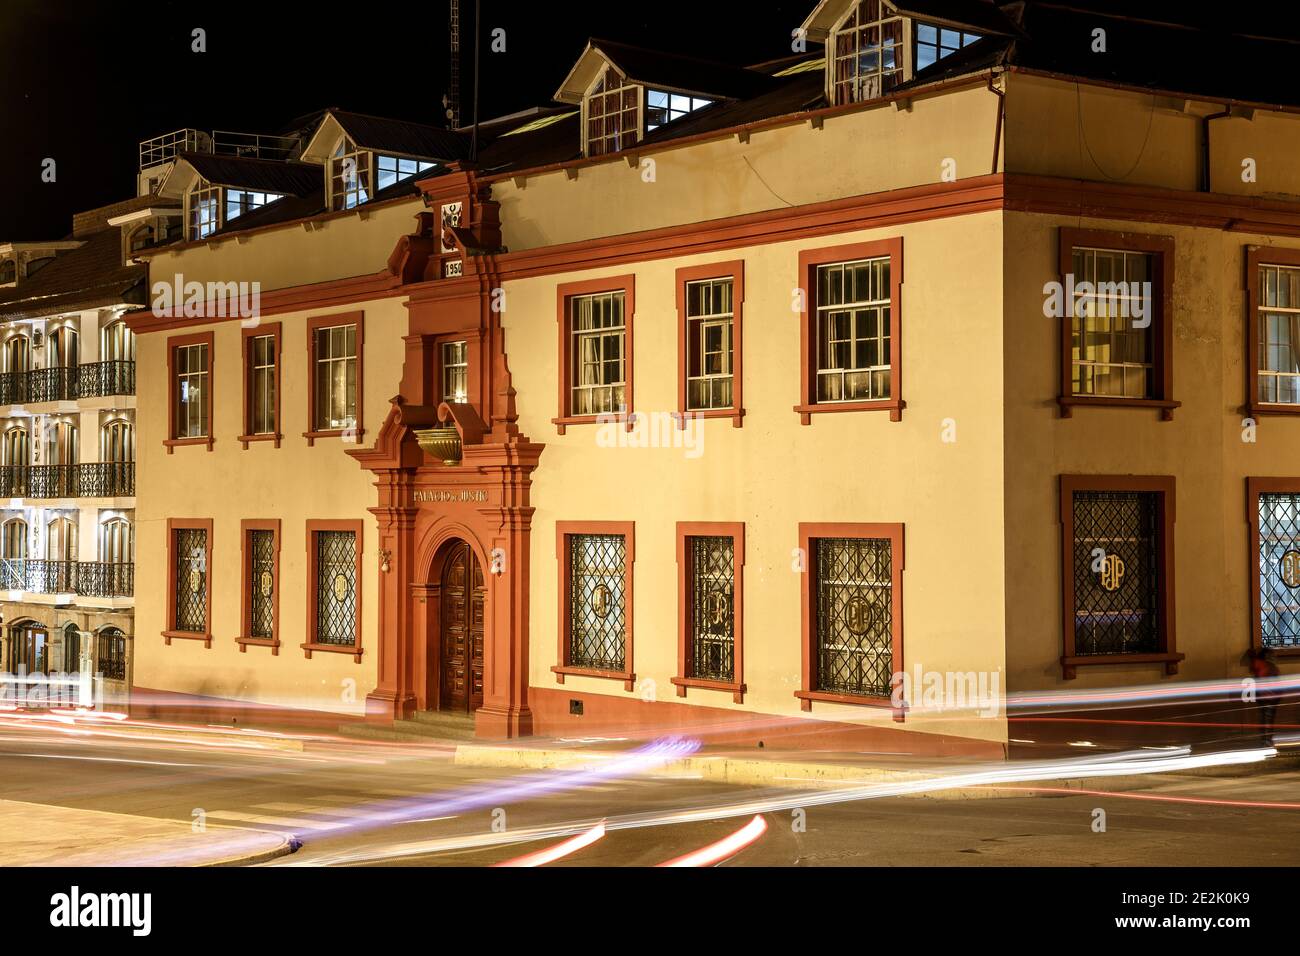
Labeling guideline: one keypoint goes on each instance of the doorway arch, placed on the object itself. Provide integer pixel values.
(455, 600)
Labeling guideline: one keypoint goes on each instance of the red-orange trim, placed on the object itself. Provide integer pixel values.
(313, 571)
(809, 533)
(1164, 487)
(328, 322)
(1161, 249)
(1257, 256)
(563, 530)
(735, 271)
(563, 293)
(1254, 488)
(185, 524)
(173, 343)
(809, 260)
(272, 329)
(246, 584)
(735, 530)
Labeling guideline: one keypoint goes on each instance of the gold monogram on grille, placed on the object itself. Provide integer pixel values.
(340, 586)
(717, 608)
(1289, 568)
(196, 580)
(1112, 572)
(267, 581)
(858, 616)
(602, 601)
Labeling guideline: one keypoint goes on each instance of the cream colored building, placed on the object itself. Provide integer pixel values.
(714, 399)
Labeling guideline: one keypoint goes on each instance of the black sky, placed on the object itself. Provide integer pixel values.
(83, 81)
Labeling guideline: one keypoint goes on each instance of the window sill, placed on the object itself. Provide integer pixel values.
(806, 698)
(1170, 659)
(246, 642)
(310, 648)
(245, 439)
(1068, 402)
(169, 636)
(348, 435)
(172, 443)
(737, 691)
(1283, 651)
(1256, 409)
(627, 677)
(736, 415)
(893, 406)
(627, 419)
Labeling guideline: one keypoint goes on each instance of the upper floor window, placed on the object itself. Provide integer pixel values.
(261, 385)
(598, 327)
(8, 271)
(116, 342)
(663, 107)
(349, 175)
(709, 314)
(204, 210)
(336, 378)
(17, 353)
(933, 43)
(455, 371)
(14, 541)
(1278, 318)
(117, 442)
(62, 347)
(190, 391)
(613, 114)
(866, 53)
(393, 169)
(116, 544)
(15, 449)
(853, 331)
(240, 201)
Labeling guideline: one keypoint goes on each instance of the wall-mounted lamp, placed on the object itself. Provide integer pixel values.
(385, 556)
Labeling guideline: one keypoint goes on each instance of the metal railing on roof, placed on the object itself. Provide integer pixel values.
(256, 145)
(163, 148)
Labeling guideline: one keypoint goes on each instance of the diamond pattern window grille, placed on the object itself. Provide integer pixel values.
(1279, 563)
(713, 641)
(262, 583)
(597, 603)
(336, 588)
(855, 616)
(191, 580)
(111, 654)
(1116, 591)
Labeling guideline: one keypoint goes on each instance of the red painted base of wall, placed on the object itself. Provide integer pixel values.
(609, 716)
(169, 705)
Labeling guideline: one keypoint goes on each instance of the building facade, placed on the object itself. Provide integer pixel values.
(738, 400)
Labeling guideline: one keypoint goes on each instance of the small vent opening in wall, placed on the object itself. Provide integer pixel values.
(575, 707)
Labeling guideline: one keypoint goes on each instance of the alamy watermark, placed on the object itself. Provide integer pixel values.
(1129, 300)
(683, 430)
(208, 300)
(935, 691)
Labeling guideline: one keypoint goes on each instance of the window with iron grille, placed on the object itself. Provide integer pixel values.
(598, 328)
(597, 601)
(1279, 569)
(709, 317)
(1116, 571)
(261, 583)
(712, 613)
(336, 588)
(336, 378)
(1112, 355)
(191, 396)
(1278, 372)
(190, 552)
(111, 654)
(261, 385)
(854, 616)
(71, 649)
(853, 331)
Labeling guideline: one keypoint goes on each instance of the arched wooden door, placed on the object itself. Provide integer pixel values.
(461, 650)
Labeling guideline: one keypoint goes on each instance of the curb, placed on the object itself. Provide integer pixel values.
(286, 847)
(250, 740)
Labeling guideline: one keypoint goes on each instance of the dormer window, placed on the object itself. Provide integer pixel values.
(662, 107)
(204, 209)
(393, 169)
(8, 271)
(933, 43)
(240, 201)
(349, 175)
(613, 114)
(866, 53)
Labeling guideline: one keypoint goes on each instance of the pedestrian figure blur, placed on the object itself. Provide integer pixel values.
(1262, 666)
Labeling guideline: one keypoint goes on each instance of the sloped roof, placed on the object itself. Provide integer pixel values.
(653, 68)
(264, 175)
(88, 277)
(402, 136)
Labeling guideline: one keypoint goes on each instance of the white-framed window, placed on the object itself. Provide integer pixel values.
(1111, 354)
(116, 541)
(336, 377)
(933, 43)
(261, 385)
(390, 170)
(866, 53)
(455, 371)
(349, 175)
(853, 331)
(204, 210)
(191, 391)
(612, 114)
(662, 107)
(598, 326)
(709, 325)
(240, 201)
(1278, 372)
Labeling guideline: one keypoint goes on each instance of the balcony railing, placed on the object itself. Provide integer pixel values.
(84, 578)
(91, 480)
(63, 383)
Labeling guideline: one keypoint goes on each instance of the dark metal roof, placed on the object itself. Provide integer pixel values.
(401, 136)
(982, 16)
(264, 175)
(683, 72)
(88, 277)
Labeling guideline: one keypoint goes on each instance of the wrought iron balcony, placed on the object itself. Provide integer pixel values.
(64, 383)
(84, 578)
(91, 480)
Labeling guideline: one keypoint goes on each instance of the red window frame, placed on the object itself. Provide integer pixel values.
(735, 530)
(189, 524)
(309, 646)
(570, 290)
(563, 531)
(1257, 256)
(274, 330)
(245, 639)
(735, 271)
(175, 342)
(325, 322)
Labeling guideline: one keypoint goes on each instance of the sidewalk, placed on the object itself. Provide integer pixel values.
(37, 834)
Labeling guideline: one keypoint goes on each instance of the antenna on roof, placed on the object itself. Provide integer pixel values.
(451, 100)
(473, 143)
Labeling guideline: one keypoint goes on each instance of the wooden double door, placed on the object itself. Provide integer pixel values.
(461, 644)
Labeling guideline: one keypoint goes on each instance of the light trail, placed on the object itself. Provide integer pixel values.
(560, 850)
(1160, 797)
(724, 849)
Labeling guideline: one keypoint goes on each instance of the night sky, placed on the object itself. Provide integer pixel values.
(83, 81)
